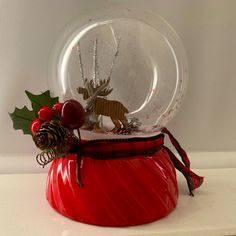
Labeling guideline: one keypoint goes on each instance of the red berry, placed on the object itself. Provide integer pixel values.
(72, 114)
(35, 125)
(57, 108)
(45, 113)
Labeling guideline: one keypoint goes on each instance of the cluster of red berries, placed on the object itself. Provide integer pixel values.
(71, 114)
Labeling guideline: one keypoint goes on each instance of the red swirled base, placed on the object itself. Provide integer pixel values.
(117, 192)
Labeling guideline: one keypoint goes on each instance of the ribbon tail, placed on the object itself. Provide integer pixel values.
(193, 180)
(177, 146)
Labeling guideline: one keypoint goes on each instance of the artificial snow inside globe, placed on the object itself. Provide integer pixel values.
(129, 72)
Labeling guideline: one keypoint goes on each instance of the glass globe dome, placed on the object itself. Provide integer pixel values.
(128, 69)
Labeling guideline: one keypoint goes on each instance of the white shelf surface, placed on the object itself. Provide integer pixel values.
(25, 211)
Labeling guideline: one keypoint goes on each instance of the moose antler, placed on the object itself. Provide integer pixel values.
(95, 91)
(102, 92)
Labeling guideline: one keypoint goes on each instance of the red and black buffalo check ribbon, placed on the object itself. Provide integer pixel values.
(121, 148)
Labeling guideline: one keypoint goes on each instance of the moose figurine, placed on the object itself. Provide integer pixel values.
(94, 93)
(98, 105)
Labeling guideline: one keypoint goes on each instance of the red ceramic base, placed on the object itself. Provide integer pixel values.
(117, 192)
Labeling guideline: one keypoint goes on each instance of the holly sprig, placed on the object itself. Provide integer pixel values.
(23, 117)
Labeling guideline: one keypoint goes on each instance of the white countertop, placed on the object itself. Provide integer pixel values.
(25, 211)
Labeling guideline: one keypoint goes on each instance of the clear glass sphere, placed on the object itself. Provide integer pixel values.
(128, 69)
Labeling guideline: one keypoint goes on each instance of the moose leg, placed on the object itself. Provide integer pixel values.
(95, 122)
(124, 122)
(117, 125)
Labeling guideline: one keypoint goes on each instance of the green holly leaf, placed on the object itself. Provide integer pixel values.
(43, 99)
(22, 119)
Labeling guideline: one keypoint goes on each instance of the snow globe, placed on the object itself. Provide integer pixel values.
(122, 76)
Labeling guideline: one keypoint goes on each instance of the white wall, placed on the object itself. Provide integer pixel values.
(207, 120)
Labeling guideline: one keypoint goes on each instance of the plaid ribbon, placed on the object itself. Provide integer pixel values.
(193, 180)
(121, 148)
